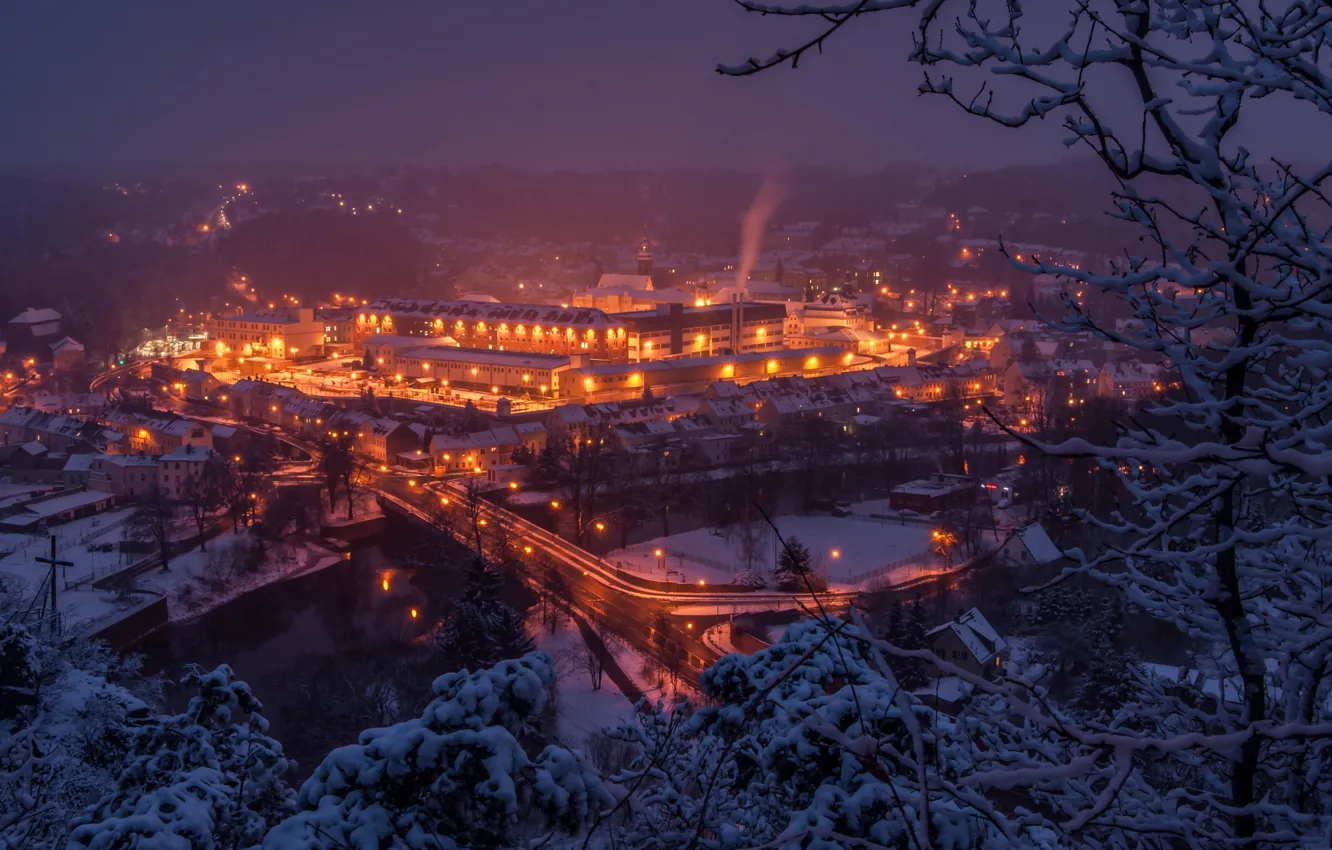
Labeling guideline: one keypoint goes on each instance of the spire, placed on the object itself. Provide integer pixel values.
(645, 258)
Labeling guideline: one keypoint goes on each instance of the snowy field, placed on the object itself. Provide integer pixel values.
(844, 550)
(73, 542)
(579, 710)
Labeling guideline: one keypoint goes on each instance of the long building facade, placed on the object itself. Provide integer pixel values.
(535, 328)
(673, 330)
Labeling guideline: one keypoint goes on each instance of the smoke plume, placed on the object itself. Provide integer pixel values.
(769, 197)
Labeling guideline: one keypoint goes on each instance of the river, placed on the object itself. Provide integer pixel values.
(330, 636)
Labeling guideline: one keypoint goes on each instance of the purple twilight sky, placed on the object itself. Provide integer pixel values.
(581, 84)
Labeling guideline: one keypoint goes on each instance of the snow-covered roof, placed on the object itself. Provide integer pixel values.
(80, 462)
(571, 414)
(504, 435)
(59, 504)
(1038, 543)
(725, 408)
(66, 344)
(188, 452)
(1131, 371)
(404, 342)
(34, 316)
(630, 281)
(724, 389)
(975, 633)
(126, 460)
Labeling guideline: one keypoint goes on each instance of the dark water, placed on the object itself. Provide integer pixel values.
(301, 630)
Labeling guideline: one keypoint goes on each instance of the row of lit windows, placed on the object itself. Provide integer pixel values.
(537, 330)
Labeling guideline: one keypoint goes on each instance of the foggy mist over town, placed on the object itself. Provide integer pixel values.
(656, 426)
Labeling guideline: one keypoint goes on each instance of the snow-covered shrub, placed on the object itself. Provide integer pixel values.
(456, 776)
(790, 753)
(208, 777)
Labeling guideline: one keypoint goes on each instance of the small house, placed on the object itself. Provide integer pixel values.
(969, 642)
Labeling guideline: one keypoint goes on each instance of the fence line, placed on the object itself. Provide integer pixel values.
(686, 556)
(920, 559)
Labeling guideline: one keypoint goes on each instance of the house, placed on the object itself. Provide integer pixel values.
(179, 469)
(568, 420)
(199, 385)
(77, 404)
(32, 332)
(59, 433)
(969, 642)
(632, 434)
(1029, 545)
(67, 355)
(723, 389)
(726, 415)
(156, 433)
(940, 491)
(533, 435)
(1047, 384)
(53, 509)
(381, 438)
(1128, 380)
(721, 449)
(476, 452)
(27, 463)
(124, 476)
(77, 470)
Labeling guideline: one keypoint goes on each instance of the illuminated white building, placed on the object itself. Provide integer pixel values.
(269, 333)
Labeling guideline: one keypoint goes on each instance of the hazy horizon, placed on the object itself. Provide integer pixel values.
(587, 86)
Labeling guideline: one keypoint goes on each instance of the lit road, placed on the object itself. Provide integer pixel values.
(657, 622)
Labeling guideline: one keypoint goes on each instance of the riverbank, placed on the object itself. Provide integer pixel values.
(231, 566)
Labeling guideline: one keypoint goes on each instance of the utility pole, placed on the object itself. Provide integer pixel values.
(55, 612)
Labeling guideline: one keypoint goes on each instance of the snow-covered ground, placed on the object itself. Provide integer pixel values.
(201, 580)
(367, 507)
(196, 581)
(77, 541)
(579, 710)
(844, 550)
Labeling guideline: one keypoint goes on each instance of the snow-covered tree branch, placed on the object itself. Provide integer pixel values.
(1225, 530)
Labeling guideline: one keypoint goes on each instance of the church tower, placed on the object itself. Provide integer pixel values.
(645, 259)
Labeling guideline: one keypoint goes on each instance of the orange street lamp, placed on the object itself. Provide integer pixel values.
(415, 613)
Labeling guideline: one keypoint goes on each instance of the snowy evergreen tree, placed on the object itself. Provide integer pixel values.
(509, 631)
(456, 777)
(209, 777)
(793, 565)
(482, 629)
